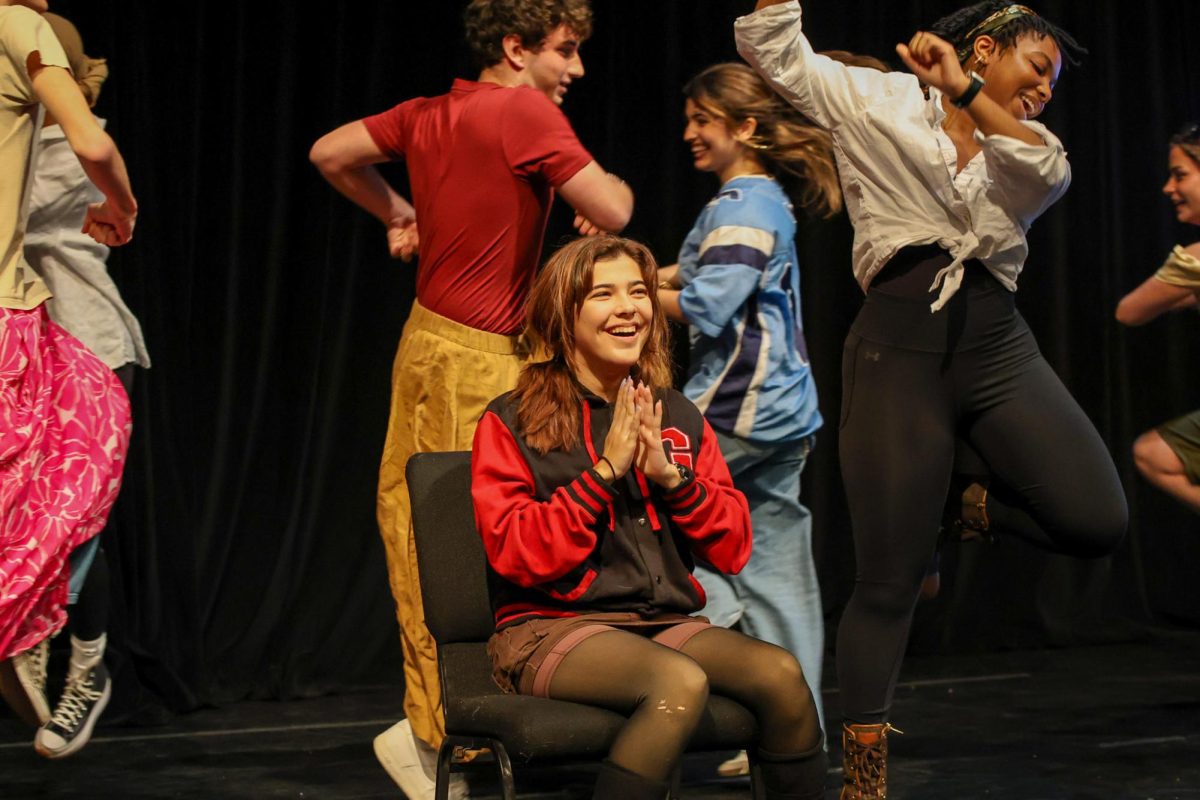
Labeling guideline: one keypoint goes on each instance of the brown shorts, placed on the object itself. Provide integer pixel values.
(1182, 435)
(525, 656)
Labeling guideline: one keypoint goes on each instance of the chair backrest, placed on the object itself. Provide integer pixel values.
(450, 556)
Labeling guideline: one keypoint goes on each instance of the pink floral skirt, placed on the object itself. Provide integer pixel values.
(64, 430)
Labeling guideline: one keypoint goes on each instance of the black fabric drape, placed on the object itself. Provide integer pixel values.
(245, 557)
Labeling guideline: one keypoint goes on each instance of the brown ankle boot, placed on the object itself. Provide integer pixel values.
(973, 522)
(864, 761)
(965, 518)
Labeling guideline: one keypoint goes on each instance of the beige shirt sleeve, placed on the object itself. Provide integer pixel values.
(22, 33)
(1180, 269)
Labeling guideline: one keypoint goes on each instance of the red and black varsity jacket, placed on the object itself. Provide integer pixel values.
(561, 541)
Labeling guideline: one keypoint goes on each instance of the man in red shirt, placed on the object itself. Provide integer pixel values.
(484, 162)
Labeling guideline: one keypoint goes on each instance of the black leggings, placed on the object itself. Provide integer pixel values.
(913, 383)
(664, 692)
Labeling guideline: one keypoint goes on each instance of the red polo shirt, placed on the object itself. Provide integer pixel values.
(483, 162)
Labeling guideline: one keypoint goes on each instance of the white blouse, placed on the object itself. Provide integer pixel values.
(897, 165)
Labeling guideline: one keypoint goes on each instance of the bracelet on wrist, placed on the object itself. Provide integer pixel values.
(611, 468)
(973, 89)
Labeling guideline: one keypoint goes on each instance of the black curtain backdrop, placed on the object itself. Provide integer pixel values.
(245, 554)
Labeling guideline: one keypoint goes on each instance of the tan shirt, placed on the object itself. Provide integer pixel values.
(22, 32)
(1180, 269)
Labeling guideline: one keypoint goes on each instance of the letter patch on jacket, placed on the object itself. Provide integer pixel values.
(678, 447)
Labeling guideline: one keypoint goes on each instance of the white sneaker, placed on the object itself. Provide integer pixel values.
(412, 764)
(736, 766)
(82, 703)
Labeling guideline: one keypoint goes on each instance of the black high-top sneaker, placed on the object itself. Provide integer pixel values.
(70, 727)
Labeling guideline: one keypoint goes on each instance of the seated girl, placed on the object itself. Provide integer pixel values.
(595, 486)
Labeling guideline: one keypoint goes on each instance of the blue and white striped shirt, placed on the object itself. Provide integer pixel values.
(749, 374)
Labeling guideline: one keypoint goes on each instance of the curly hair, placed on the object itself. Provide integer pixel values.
(487, 22)
(957, 27)
(790, 147)
(547, 393)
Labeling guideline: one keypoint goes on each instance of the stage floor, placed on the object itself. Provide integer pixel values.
(1111, 722)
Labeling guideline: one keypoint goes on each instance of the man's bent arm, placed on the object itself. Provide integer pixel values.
(604, 199)
(346, 158)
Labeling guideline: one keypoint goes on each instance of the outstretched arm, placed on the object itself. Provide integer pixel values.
(110, 222)
(346, 158)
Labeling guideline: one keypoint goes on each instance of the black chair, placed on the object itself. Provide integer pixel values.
(480, 717)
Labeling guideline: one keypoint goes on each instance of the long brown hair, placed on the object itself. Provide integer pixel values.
(547, 394)
(790, 147)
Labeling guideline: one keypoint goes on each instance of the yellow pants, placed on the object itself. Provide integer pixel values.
(444, 376)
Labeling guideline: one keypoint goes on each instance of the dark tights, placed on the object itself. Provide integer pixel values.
(664, 692)
(89, 615)
(913, 383)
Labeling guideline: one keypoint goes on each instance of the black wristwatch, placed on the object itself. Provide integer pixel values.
(685, 473)
(964, 99)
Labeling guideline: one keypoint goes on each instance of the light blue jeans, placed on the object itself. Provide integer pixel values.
(776, 597)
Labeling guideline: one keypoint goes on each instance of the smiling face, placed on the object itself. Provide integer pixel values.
(1183, 185)
(551, 69)
(715, 148)
(613, 322)
(1022, 77)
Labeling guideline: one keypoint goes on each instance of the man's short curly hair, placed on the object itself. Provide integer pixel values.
(489, 21)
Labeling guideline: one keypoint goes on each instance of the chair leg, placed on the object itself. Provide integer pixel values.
(676, 782)
(756, 782)
(442, 787)
(504, 766)
(452, 753)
